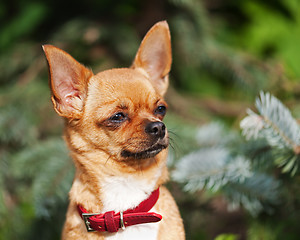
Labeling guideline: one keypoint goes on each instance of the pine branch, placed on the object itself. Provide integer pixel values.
(275, 124)
(259, 152)
(210, 168)
(3, 174)
(218, 167)
(274, 121)
(15, 127)
(50, 169)
(258, 192)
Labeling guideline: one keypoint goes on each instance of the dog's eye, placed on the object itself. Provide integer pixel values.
(118, 117)
(161, 110)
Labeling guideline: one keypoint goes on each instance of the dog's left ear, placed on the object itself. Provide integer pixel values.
(155, 56)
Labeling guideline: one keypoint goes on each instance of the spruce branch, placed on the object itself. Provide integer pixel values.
(50, 170)
(274, 122)
(210, 168)
(222, 165)
(259, 152)
(258, 192)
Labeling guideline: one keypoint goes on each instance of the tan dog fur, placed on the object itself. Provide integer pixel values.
(87, 102)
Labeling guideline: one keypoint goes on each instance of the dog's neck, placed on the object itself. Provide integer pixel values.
(108, 185)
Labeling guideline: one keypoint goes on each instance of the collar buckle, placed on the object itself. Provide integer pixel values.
(86, 217)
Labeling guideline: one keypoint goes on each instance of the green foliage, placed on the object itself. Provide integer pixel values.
(282, 41)
(35, 173)
(227, 237)
(259, 231)
(51, 171)
(24, 23)
(202, 58)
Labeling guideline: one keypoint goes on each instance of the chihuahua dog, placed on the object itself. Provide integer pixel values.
(118, 143)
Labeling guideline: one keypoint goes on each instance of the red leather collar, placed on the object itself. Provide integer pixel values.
(112, 222)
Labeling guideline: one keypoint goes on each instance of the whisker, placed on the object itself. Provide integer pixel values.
(171, 143)
(174, 143)
(172, 132)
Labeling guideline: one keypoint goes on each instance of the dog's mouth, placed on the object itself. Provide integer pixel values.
(148, 153)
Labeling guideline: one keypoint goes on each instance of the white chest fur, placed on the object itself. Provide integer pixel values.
(122, 193)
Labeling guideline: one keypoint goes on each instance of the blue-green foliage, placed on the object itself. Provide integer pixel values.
(218, 167)
(241, 170)
(50, 171)
(275, 124)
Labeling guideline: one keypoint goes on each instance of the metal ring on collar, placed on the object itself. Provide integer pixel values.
(122, 221)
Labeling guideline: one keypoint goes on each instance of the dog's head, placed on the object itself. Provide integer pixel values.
(118, 111)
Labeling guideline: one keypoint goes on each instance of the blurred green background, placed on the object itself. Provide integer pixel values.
(224, 53)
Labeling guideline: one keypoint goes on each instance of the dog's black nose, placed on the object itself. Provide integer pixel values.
(156, 129)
